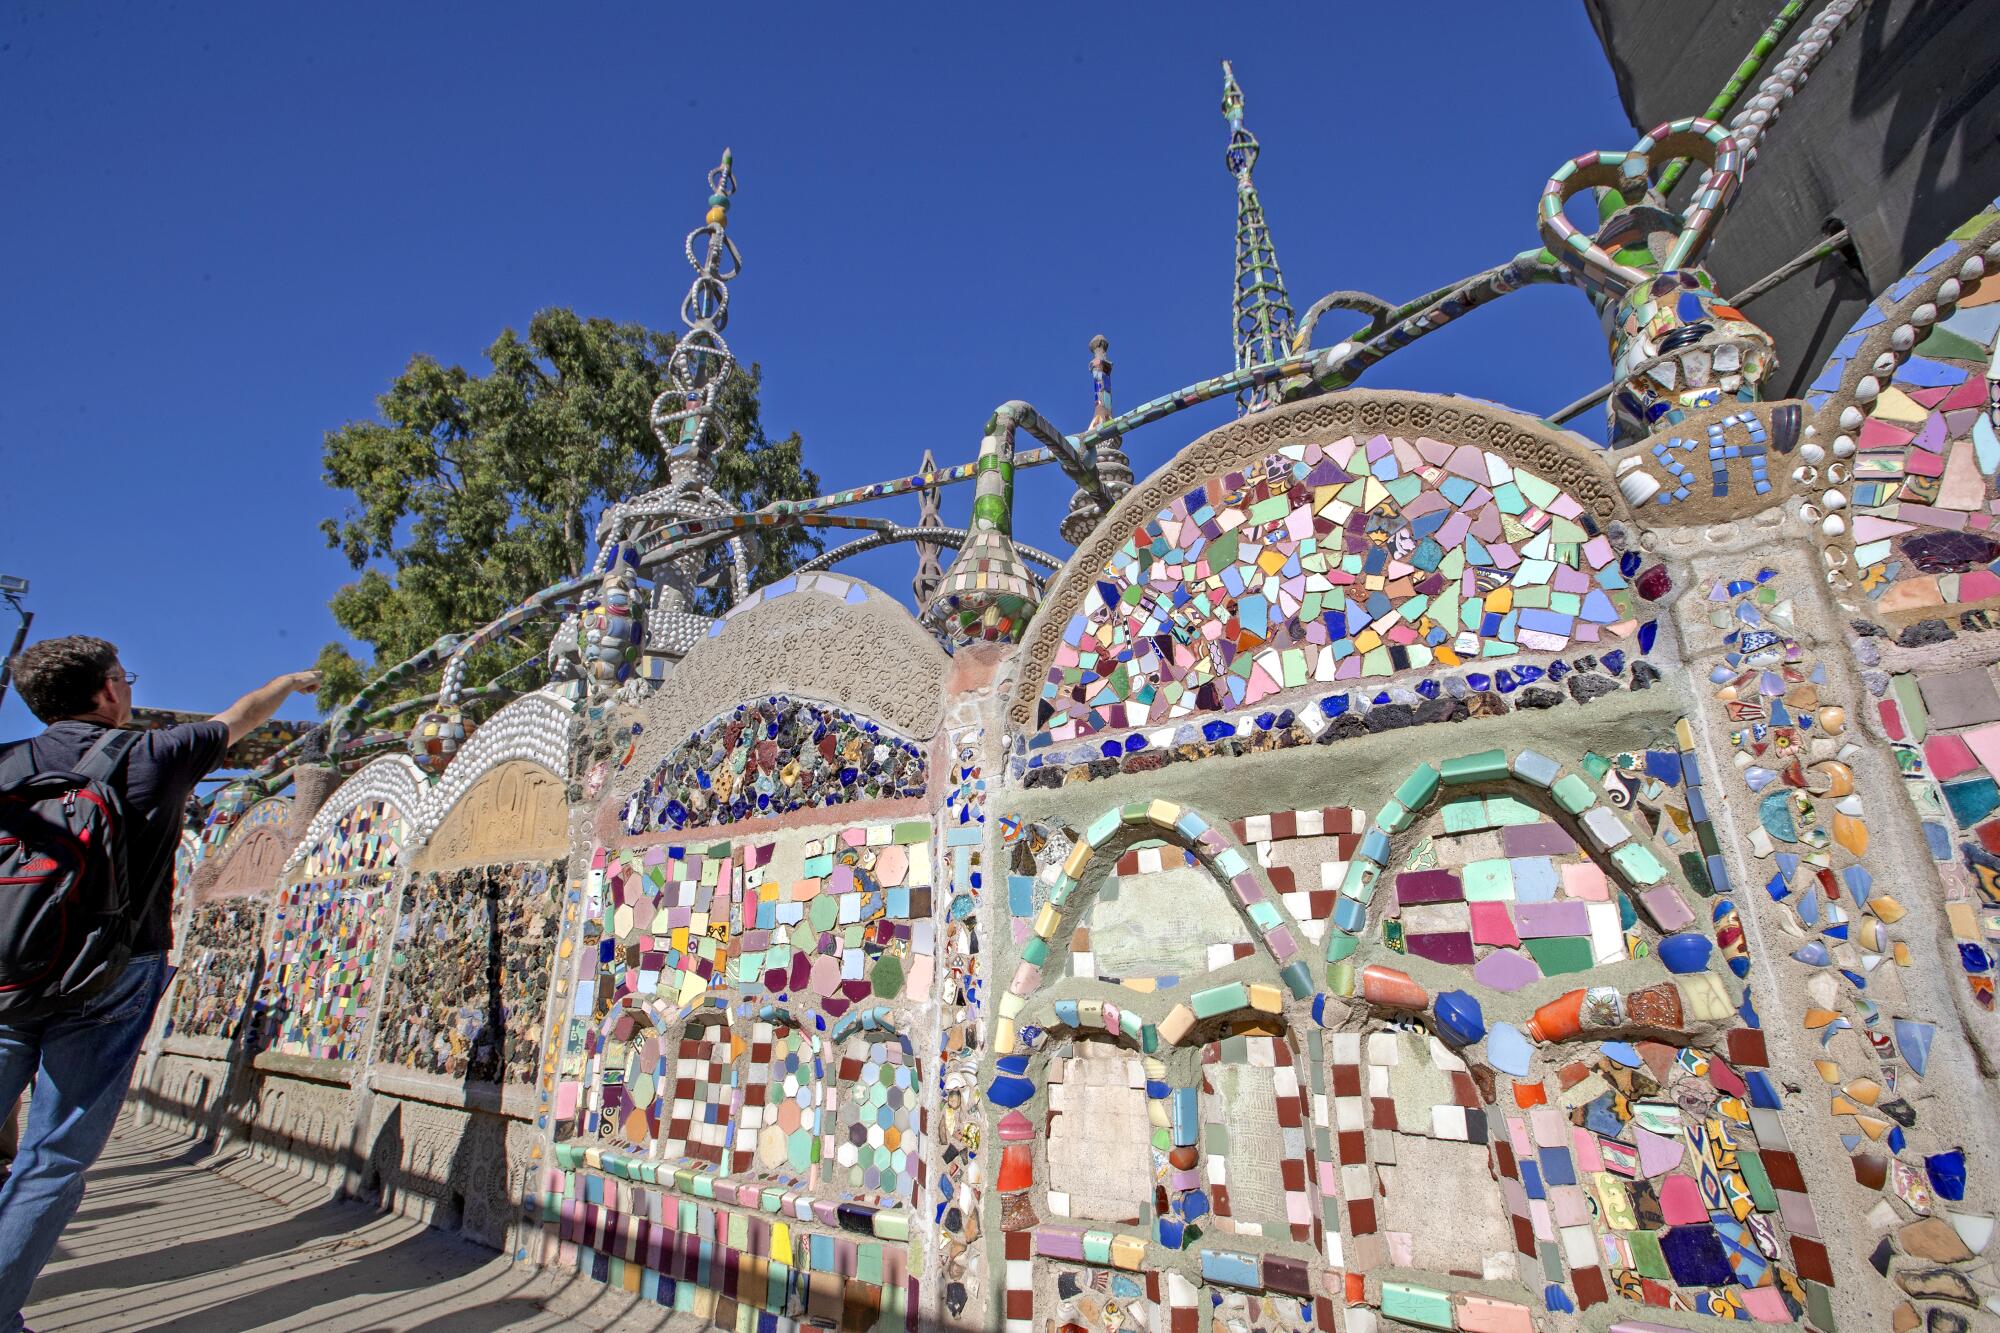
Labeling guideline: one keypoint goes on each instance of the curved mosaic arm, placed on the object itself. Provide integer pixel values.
(1361, 303)
(1630, 175)
(941, 536)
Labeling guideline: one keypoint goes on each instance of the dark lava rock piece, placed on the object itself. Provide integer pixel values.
(1043, 777)
(1442, 710)
(1925, 632)
(1867, 629)
(1487, 703)
(1389, 717)
(1950, 552)
(1584, 688)
(1536, 696)
(1643, 675)
(1345, 727)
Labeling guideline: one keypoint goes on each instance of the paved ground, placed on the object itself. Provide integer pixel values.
(227, 1245)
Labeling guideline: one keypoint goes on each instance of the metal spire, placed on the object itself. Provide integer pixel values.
(930, 573)
(1113, 468)
(1263, 309)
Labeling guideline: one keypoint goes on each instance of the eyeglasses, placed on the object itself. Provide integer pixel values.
(129, 677)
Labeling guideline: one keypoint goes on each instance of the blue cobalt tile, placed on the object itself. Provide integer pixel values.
(1695, 1256)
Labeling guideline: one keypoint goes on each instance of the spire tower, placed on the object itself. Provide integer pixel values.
(1262, 306)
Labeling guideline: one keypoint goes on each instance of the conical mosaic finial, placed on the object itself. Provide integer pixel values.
(701, 360)
(1114, 470)
(988, 594)
(1263, 308)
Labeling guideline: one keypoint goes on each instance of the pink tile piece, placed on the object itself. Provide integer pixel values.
(1680, 1201)
(1984, 742)
(1584, 1144)
(1585, 880)
(1766, 1305)
(1667, 908)
(1492, 925)
(1949, 756)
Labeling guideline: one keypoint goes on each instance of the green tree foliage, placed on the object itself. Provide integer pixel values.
(473, 491)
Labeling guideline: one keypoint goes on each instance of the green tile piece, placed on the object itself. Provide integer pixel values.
(910, 831)
(1910, 700)
(1504, 811)
(1573, 794)
(1101, 828)
(1426, 1307)
(1222, 999)
(1757, 1181)
(1485, 766)
(1490, 881)
(1638, 864)
(1560, 955)
(1418, 788)
(1097, 1247)
(1646, 1256)
(1466, 817)
(1393, 817)
(1819, 1308)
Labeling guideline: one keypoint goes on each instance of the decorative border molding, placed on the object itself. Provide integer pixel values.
(535, 729)
(1551, 453)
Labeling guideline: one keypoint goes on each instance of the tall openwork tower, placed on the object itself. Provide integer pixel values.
(1262, 306)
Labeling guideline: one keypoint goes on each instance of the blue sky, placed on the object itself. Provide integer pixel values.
(229, 226)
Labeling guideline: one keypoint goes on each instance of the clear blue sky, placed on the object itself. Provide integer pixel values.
(228, 226)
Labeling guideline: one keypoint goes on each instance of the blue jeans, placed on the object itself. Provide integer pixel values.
(85, 1060)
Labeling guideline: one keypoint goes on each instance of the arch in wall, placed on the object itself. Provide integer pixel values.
(1270, 925)
(392, 788)
(516, 810)
(775, 756)
(820, 638)
(1445, 513)
(253, 855)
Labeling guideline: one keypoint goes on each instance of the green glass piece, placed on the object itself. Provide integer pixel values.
(1485, 766)
(1573, 794)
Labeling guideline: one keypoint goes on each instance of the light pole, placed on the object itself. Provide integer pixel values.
(11, 588)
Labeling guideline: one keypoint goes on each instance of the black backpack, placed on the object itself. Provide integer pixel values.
(66, 919)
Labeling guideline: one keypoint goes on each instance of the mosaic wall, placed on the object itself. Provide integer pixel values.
(774, 757)
(319, 988)
(468, 978)
(1945, 726)
(1922, 473)
(220, 956)
(1354, 560)
(371, 836)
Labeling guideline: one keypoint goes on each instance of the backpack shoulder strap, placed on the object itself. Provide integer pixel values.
(17, 765)
(103, 760)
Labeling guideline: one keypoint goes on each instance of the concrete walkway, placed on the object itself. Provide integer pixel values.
(227, 1245)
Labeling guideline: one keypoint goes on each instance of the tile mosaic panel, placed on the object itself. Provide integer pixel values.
(1945, 734)
(318, 993)
(784, 1084)
(371, 836)
(1350, 561)
(469, 972)
(1103, 1302)
(875, 1142)
(958, 1281)
(218, 969)
(773, 757)
(1922, 477)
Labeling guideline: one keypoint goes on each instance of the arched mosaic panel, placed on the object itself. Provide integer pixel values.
(1348, 561)
(775, 756)
(778, 1124)
(875, 1142)
(370, 835)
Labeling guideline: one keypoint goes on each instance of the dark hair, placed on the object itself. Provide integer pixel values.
(60, 678)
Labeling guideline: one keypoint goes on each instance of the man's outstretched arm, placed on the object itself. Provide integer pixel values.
(256, 708)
